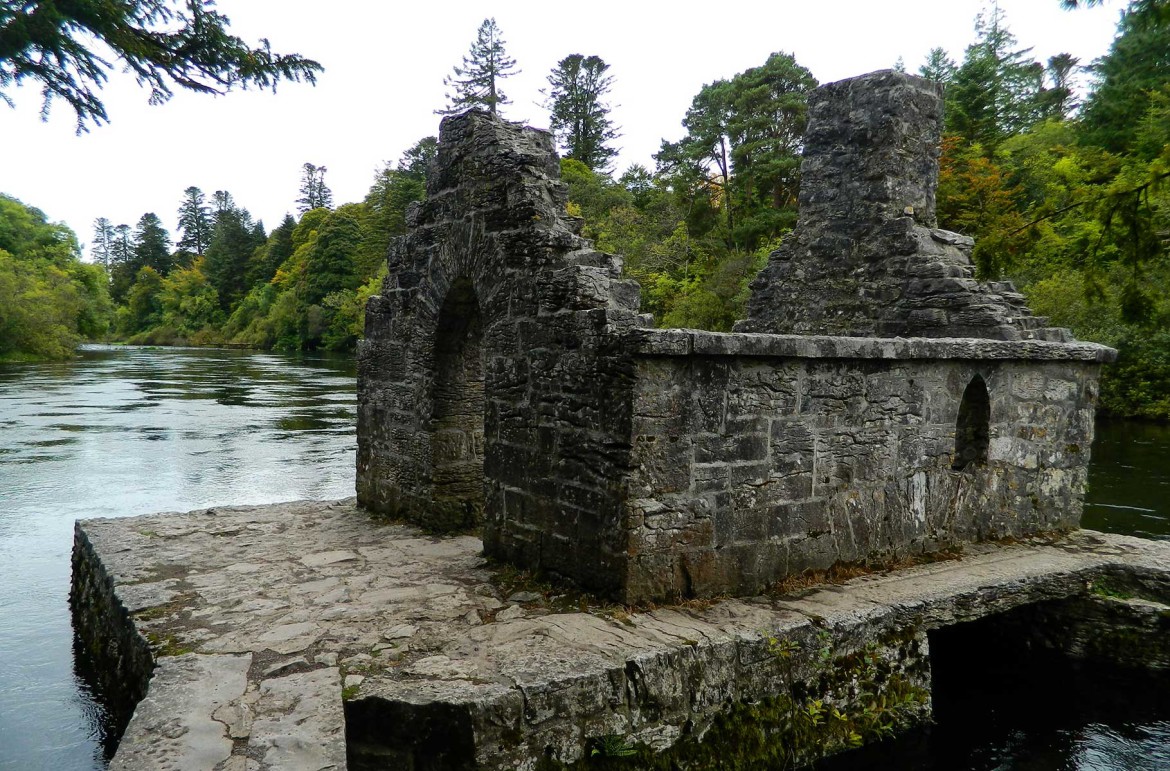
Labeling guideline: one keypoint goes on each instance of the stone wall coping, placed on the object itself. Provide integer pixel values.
(694, 342)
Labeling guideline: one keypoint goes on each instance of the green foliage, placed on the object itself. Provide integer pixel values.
(477, 82)
(996, 91)
(315, 194)
(162, 42)
(1075, 211)
(143, 308)
(230, 253)
(1136, 67)
(579, 115)
(740, 156)
(194, 222)
(49, 300)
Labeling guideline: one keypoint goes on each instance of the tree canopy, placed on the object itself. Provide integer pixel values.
(165, 44)
(579, 114)
(476, 83)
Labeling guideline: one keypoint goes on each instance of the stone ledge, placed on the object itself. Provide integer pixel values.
(693, 342)
(312, 608)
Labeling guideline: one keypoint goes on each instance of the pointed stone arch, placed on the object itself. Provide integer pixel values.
(457, 401)
(973, 426)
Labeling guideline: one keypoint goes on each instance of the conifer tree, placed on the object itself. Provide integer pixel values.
(995, 92)
(164, 43)
(103, 242)
(580, 117)
(477, 82)
(938, 67)
(276, 250)
(152, 245)
(222, 202)
(229, 253)
(315, 194)
(194, 222)
(330, 265)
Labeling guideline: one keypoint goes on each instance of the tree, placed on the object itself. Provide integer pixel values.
(476, 83)
(275, 251)
(1058, 101)
(706, 142)
(992, 94)
(194, 222)
(315, 194)
(229, 253)
(223, 203)
(49, 299)
(414, 162)
(743, 146)
(938, 67)
(152, 245)
(580, 117)
(330, 265)
(103, 242)
(164, 43)
(1136, 67)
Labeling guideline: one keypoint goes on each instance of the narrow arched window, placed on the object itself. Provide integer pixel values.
(973, 428)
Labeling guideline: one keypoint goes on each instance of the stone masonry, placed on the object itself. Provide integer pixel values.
(507, 381)
(866, 257)
(312, 636)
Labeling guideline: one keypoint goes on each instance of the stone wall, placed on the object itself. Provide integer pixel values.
(492, 388)
(507, 380)
(756, 457)
(114, 656)
(866, 257)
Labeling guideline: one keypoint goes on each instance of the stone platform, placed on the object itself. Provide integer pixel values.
(275, 630)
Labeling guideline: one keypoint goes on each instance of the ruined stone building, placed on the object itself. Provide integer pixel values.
(877, 400)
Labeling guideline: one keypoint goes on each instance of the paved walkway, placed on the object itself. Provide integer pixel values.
(261, 618)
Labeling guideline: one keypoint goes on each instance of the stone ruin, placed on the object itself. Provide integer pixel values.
(876, 402)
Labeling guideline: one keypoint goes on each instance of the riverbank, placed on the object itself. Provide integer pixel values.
(411, 649)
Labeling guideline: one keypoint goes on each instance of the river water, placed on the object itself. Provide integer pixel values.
(126, 431)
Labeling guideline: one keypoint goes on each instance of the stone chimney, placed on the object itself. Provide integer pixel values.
(866, 258)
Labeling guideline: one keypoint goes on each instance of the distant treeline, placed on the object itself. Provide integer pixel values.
(1067, 198)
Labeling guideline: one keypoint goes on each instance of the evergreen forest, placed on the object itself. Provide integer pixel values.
(1059, 169)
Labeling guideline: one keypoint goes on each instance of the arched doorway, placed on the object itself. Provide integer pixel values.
(973, 428)
(457, 441)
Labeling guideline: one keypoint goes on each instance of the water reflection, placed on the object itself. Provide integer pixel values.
(125, 431)
(1129, 479)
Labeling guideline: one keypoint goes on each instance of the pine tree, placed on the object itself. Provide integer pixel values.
(165, 43)
(938, 67)
(103, 242)
(1128, 78)
(194, 222)
(229, 254)
(1059, 100)
(122, 267)
(223, 203)
(275, 251)
(995, 92)
(315, 194)
(121, 248)
(580, 118)
(152, 245)
(476, 83)
(330, 266)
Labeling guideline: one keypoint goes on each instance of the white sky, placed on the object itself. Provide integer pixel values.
(384, 66)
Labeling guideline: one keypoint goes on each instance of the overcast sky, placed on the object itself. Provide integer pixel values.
(384, 66)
